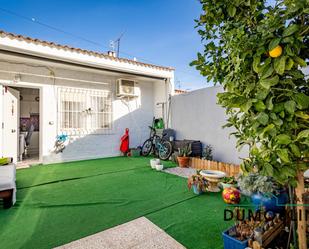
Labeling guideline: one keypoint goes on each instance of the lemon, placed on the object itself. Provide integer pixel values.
(276, 52)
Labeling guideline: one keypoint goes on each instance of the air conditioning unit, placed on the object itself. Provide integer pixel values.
(125, 88)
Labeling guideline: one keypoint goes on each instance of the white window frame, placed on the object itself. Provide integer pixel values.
(90, 116)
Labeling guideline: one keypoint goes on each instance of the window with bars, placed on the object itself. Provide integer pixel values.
(83, 111)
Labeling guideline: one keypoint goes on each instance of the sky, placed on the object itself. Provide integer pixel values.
(156, 31)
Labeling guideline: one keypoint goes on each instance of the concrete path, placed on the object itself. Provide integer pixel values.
(136, 234)
(182, 172)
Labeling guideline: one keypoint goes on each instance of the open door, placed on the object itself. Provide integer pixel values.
(10, 127)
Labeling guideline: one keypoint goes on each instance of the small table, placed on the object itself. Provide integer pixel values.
(213, 177)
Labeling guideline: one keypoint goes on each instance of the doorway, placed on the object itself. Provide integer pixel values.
(21, 125)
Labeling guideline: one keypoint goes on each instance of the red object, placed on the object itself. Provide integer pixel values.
(231, 195)
(124, 146)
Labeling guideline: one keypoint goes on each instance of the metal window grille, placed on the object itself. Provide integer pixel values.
(83, 111)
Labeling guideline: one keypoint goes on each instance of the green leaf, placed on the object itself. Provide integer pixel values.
(274, 43)
(290, 106)
(302, 100)
(287, 171)
(290, 30)
(254, 151)
(268, 128)
(295, 150)
(268, 168)
(262, 118)
(288, 50)
(269, 82)
(302, 115)
(278, 122)
(261, 94)
(273, 116)
(284, 155)
(265, 64)
(256, 63)
(269, 103)
(300, 61)
(267, 72)
(237, 101)
(289, 39)
(289, 64)
(283, 139)
(278, 107)
(303, 134)
(282, 114)
(231, 10)
(259, 106)
(246, 106)
(297, 74)
(279, 64)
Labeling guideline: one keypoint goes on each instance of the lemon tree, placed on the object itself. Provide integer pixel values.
(256, 51)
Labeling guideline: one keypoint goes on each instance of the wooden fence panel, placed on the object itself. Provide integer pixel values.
(229, 169)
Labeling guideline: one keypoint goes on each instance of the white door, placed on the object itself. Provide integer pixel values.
(10, 129)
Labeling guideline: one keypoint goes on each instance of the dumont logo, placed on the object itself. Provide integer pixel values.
(246, 211)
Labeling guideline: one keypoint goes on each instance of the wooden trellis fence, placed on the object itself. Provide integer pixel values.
(228, 168)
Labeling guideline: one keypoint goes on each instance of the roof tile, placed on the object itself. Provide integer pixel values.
(79, 50)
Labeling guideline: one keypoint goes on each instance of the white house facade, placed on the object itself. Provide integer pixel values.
(74, 92)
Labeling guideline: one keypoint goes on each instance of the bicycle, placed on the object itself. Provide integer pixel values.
(155, 143)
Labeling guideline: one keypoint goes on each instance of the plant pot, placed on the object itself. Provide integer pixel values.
(233, 243)
(196, 190)
(227, 185)
(183, 161)
(159, 167)
(135, 152)
(273, 203)
(154, 162)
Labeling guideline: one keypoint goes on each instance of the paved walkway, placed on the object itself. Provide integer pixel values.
(136, 234)
(27, 162)
(182, 172)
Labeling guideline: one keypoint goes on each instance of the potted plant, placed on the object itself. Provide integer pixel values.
(198, 183)
(207, 153)
(247, 230)
(228, 182)
(183, 156)
(264, 191)
(237, 235)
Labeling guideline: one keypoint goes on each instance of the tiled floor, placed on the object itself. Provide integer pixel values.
(136, 234)
(183, 172)
(27, 162)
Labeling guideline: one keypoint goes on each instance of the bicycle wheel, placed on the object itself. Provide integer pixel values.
(165, 150)
(147, 147)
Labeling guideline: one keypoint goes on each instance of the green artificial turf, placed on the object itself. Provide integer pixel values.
(63, 202)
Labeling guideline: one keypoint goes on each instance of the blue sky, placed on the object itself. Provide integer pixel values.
(159, 31)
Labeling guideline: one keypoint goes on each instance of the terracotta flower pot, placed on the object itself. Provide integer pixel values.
(183, 161)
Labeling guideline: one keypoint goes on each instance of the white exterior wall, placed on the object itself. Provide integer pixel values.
(135, 114)
(196, 115)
